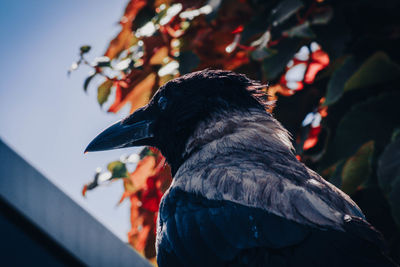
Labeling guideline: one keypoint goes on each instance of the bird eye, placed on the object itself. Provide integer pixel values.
(162, 103)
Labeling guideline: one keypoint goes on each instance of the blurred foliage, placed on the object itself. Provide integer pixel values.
(332, 66)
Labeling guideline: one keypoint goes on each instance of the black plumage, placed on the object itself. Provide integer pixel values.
(239, 196)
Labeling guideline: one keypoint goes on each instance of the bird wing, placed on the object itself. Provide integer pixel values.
(196, 231)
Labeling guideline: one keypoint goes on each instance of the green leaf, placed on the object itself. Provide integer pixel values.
(188, 61)
(103, 91)
(357, 168)
(271, 15)
(373, 119)
(336, 176)
(256, 26)
(389, 176)
(215, 6)
(284, 10)
(274, 65)
(335, 36)
(102, 62)
(263, 53)
(322, 15)
(87, 81)
(377, 69)
(146, 151)
(395, 134)
(336, 83)
(118, 169)
(84, 49)
(394, 200)
(389, 166)
(302, 31)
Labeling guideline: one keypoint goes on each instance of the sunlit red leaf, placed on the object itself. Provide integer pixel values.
(144, 169)
(124, 39)
(312, 122)
(159, 55)
(278, 88)
(143, 227)
(145, 188)
(142, 92)
(125, 195)
(138, 94)
(131, 10)
(239, 29)
(84, 190)
(320, 60)
(239, 59)
(164, 178)
(151, 45)
(151, 195)
(310, 142)
(119, 43)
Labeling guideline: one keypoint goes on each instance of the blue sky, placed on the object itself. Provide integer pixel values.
(44, 115)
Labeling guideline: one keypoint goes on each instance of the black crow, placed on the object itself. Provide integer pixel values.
(239, 196)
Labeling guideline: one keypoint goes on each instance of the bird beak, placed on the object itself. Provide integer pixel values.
(137, 130)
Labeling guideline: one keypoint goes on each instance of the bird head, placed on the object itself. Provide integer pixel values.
(177, 108)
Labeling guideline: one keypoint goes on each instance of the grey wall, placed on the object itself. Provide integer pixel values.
(23, 244)
(53, 213)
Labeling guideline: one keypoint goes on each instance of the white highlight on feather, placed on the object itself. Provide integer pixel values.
(314, 182)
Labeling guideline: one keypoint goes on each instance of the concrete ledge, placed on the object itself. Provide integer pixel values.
(58, 216)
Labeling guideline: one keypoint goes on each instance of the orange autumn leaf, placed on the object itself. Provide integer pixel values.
(125, 195)
(137, 95)
(159, 56)
(142, 93)
(84, 190)
(142, 236)
(239, 59)
(119, 43)
(312, 139)
(137, 179)
(124, 39)
(150, 180)
(144, 169)
(310, 142)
